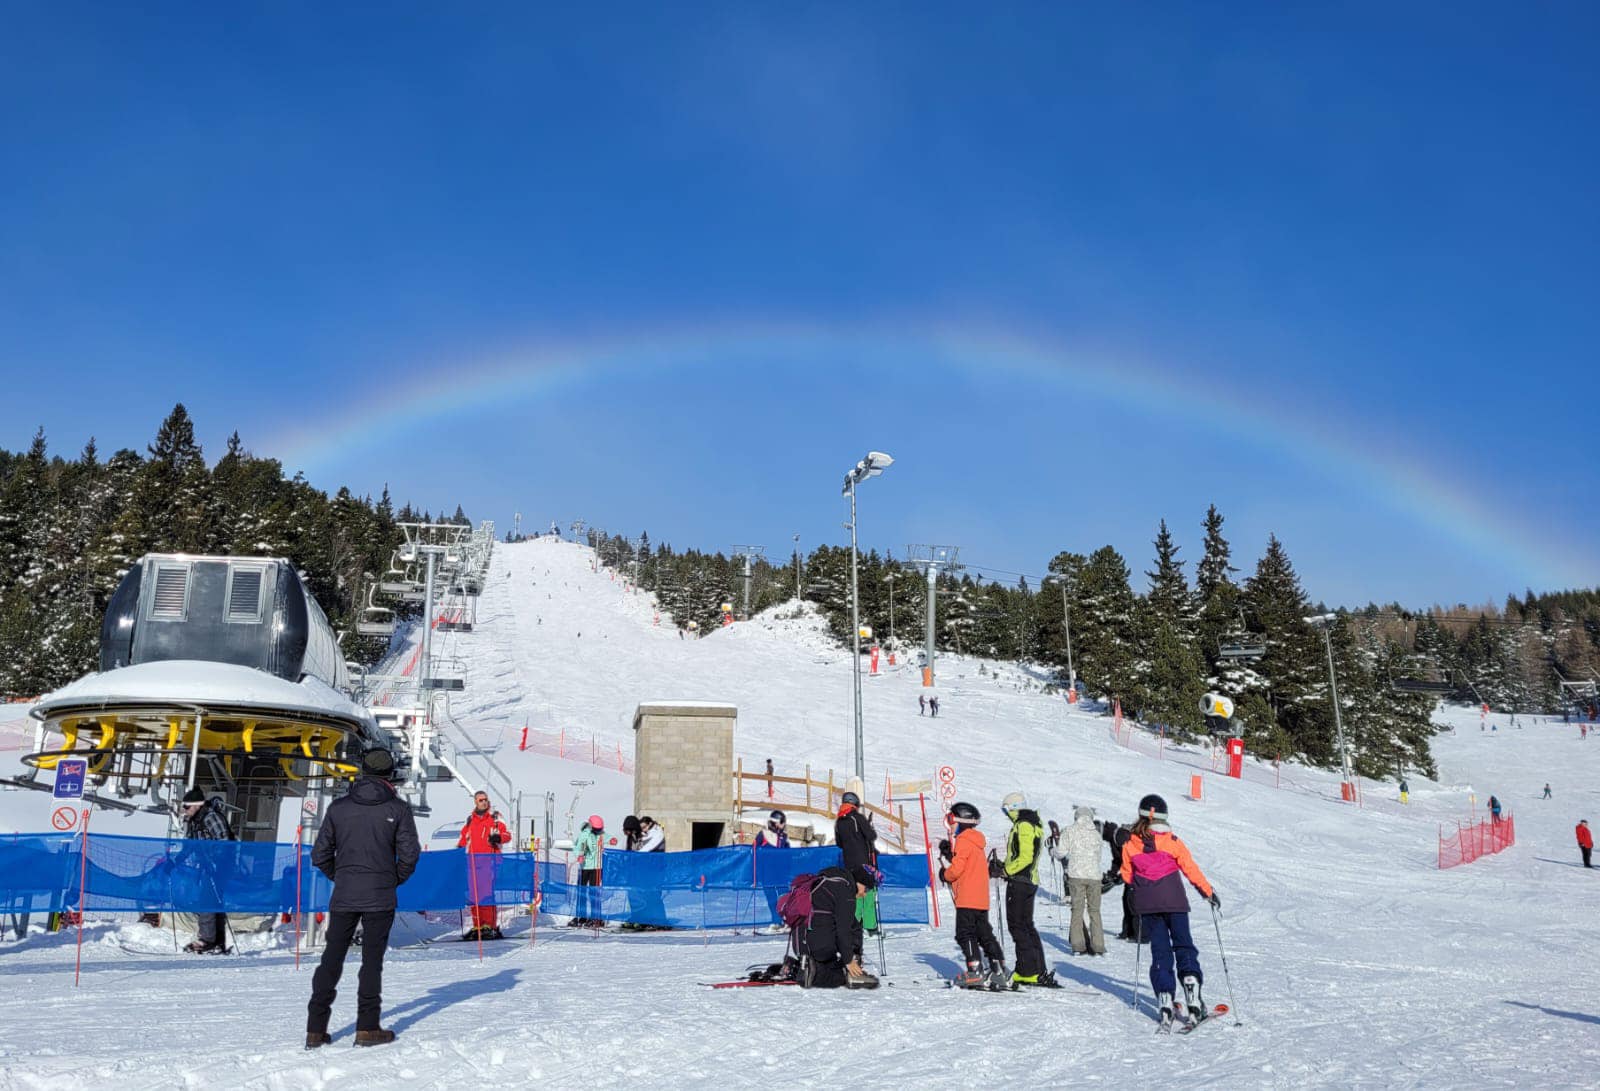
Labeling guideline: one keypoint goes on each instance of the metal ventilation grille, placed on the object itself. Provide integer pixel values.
(244, 594)
(172, 593)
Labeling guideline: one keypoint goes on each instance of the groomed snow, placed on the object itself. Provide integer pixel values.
(1355, 962)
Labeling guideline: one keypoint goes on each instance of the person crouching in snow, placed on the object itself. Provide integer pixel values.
(482, 837)
(966, 869)
(1151, 862)
(830, 935)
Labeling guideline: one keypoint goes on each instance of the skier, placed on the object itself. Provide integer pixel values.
(967, 871)
(587, 850)
(482, 837)
(1132, 928)
(922, 704)
(853, 832)
(775, 835)
(830, 935)
(1080, 850)
(1585, 840)
(652, 838)
(206, 820)
(1151, 862)
(1494, 809)
(1405, 791)
(367, 847)
(933, 707)
(1547, 789)
(1022, 887)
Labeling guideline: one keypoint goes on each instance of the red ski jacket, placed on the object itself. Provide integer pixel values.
(475, 834)
(1585, 840)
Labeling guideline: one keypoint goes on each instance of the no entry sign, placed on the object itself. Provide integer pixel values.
(64, 818)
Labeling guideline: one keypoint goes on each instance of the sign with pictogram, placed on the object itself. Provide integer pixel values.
(64, 818)
(70, 775)
(947, 782)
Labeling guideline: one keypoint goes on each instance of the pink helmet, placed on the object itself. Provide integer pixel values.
(596, 823)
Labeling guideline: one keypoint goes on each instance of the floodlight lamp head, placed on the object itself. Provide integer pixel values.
(877, 460)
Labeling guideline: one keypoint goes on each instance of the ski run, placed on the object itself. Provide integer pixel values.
(1355, 961)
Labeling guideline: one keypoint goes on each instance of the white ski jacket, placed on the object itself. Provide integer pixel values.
(1081, 845)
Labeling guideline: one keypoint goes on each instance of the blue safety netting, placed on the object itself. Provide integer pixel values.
(710, 888)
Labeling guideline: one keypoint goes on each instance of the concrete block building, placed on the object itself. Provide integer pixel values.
(683, 765)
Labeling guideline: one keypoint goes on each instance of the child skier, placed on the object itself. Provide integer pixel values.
(966, 869)
(1151, 862)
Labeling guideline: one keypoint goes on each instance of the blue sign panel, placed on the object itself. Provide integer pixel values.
(70, 774)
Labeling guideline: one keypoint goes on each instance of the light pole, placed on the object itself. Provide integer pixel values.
(889, 579)
(1066, 623)
(1326, 622)
(797, 568)
(871, 466)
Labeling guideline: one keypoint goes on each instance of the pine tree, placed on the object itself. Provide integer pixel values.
(1106, 641)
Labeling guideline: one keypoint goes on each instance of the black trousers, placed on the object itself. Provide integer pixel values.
(1019, 922)
(827, 975)
(1586, 853)
(375, 925)
(212, 928)
(976, 936)
(1132, 923)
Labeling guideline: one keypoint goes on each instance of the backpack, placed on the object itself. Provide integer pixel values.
(794, 908)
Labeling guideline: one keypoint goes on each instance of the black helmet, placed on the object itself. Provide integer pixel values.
(851, 798)
(779, 817)
(1154, 808)
(964, 812)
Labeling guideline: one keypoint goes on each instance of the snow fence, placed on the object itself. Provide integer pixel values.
(1481, 839)
(710, 888)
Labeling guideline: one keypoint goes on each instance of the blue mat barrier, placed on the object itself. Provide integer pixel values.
(710, 888)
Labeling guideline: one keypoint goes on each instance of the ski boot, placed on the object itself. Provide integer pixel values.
(972, 977)
(1046, 980)
(857, 978)
(1192, 998)
(469, 935)
(1000, 978)
(1168, 1008)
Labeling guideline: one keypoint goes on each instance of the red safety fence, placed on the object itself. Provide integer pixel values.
(572, 746)
(1480, 839)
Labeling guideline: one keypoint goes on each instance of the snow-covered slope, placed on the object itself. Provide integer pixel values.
(1354, 960)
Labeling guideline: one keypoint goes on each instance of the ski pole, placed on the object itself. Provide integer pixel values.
(1001, 906)
(1138, 951)
(1223, 955)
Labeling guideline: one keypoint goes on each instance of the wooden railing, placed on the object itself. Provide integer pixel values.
(809, 795)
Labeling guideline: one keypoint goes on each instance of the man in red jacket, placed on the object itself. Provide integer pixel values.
(482, 837)
(1585, 841)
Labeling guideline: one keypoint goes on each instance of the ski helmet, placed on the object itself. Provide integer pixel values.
(1013, 803)
(964, 812)
(596, 822)
(1154, 808)
(779, 817)
(850, 798)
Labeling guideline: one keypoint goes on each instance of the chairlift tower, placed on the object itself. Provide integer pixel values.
(1326, 622)
(932, 559)
(749, 553)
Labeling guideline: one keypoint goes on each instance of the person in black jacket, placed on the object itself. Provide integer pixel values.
(206, 820)
(857, 839)
(1116, 836)
(830, 938)
(368, 847)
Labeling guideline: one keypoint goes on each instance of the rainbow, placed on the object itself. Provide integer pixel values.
(1392, 477)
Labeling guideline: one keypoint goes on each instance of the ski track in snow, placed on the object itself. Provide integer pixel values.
(1355, 962)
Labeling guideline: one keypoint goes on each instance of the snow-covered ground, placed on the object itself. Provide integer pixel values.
(1354, 960)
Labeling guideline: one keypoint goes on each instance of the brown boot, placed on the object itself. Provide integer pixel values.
(315, 1038)
(378, 1037)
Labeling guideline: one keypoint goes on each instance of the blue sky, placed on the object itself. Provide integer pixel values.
(1077, 268)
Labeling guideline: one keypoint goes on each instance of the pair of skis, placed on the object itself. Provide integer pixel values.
(1189, 1026)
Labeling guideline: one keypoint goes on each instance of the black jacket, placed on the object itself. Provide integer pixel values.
(368, 846)
(857, 839)
(830, 937)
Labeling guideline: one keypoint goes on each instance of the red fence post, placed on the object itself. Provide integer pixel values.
(927, 845)
(83, 879)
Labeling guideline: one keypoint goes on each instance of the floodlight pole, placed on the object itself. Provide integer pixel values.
(889, 579)
(1325, 623)
(855, 636)
(1066, 622)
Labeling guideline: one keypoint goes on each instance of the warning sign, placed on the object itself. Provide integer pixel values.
(64, 818)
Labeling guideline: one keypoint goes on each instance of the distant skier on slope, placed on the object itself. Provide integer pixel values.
(1547, 789)
(1152, 860)
(1585, 841)
(967, 871)
(1494, 809)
